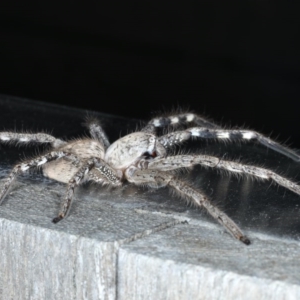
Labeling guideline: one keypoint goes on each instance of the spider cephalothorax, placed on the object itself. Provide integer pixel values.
(142, 158)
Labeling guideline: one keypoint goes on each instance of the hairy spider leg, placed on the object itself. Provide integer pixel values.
(178, 119)
(156, 178)
(97, 132)
(105, 175)
(28, 138)
(184, 161)
(178, 137)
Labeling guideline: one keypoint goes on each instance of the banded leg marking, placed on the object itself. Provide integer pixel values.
(24, 166)
(179, 137)
(185, 118)
(26, 138)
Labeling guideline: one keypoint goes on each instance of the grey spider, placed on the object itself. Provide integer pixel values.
(143, 158)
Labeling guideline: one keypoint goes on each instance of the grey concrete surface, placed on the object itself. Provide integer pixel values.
(191, 262)
(120, 250)
(133, 243)
(75, 259)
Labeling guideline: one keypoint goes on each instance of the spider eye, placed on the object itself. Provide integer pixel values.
(149, 155)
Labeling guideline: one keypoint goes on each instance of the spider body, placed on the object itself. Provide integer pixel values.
(130, 149)
(143, 158)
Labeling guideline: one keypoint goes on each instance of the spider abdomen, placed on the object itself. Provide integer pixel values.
(60, 170)
(85, 149)
(64, 169)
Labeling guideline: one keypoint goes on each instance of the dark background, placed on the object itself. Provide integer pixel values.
(238, 62)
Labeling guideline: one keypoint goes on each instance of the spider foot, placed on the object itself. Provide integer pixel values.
(245, 240)
(57, 219)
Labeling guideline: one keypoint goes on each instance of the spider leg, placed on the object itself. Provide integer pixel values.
(24, 166)
(158, 178)
(97, 132)
(104, 174)
(27, 138)
(94, 169)
(179, 137)
(177, 119)
(184, 161)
